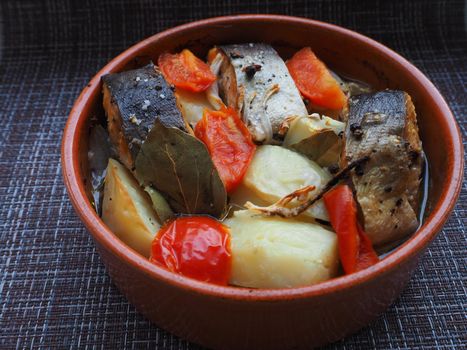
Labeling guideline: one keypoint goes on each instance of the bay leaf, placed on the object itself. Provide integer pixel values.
(179, 166)
(324, 147)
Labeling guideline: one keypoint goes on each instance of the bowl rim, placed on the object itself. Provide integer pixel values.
(103, 235)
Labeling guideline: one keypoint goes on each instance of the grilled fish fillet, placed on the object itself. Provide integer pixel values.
(133, 100)
(255, 81)
(383, 126)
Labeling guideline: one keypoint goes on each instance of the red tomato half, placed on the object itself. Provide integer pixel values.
(314, 80)
(229, 144)
(355, 249)
(194, 246)
(186, 71)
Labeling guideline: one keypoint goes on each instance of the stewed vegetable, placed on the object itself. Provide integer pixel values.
(186, 71)
(251, 171)
(273, 252)
(228, 142)
(127, 210)
(195, 246)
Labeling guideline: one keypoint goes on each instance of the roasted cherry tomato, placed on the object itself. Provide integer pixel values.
(314, 80)
(186, 71)
(355, 249)
(229, 143)
(194, 246)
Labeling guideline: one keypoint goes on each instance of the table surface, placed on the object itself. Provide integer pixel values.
(54, 289)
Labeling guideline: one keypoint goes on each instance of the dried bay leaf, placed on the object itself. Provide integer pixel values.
(324, 147)
(179, 166)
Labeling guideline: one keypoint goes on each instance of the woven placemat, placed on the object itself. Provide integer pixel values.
(54, 290)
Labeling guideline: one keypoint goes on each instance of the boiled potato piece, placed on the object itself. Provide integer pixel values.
(159, 204)
(243, 194)
(192, 105)
(127, 210)
(304, 127)
(318, 211)
(275, 172)
(272, 252)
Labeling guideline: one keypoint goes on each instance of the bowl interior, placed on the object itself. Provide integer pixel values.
(349, 58)
(346, 52)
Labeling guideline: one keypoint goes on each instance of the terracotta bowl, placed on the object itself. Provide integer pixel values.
(241, 318)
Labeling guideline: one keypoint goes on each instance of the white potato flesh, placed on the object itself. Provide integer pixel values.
(192, 105)
(243, 194)
(272, 252)
(275, 172)
(304, 127)
(127, 210)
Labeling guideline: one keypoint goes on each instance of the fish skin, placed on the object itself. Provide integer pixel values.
(133, 100)
(383, 126)
(265, 99)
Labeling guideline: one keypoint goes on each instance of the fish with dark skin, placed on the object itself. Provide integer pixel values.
(254, 80)
(383, 127)
(133, 100)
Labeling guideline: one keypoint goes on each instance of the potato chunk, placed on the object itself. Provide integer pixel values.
(272, 252)
(127, 209)
(192, 105)
(275, 172)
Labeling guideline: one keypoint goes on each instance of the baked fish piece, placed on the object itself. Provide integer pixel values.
(255, 81)
(133, 100)
(383, 126)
